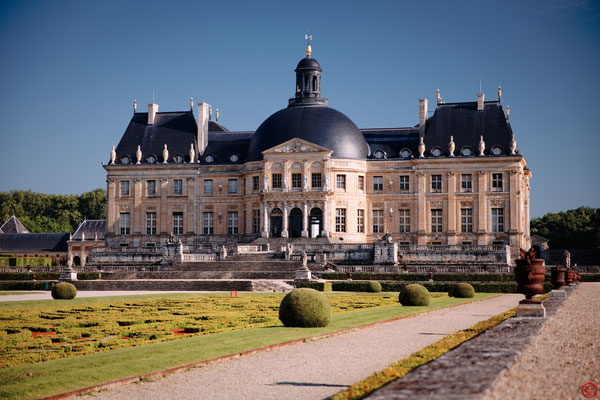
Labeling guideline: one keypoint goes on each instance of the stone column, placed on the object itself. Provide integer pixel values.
(452, 229)
(325, 232)
(111, 223)
(513, 208)
(421, 208)
(190, 216)
(136, 226)
(482, 208)
(284, 230)
(163, 217)
(305, 220)
(265, 221)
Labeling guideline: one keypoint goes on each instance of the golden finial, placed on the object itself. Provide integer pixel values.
(209, 112)
(191, 103)
(438, 97)
(134, 105)
(217, 114)
(499, 93)
(308, 38)
(507, 112)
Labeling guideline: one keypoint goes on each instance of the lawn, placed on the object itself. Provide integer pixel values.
(139, 354)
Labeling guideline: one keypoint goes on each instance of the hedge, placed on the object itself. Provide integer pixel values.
(45, 276)
(506, 287)
(422, 277)
(320, 286)
(25, 262)
(590, 277)
(27, 285)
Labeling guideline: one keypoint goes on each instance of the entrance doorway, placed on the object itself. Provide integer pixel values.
(276, 222)
(295, 222)
(316, 222)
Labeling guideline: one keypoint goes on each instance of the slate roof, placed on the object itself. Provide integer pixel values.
(30, 242)
(91, 228)
(13, 225)
(392, 141)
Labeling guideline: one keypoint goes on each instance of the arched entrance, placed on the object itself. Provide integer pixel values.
(276, 222)
(77, 261)
(315, 222)
(295, 222)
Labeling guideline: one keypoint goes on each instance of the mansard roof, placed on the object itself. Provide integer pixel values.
(13, 225)
(31, 242)
(90, 229)
(392, 141)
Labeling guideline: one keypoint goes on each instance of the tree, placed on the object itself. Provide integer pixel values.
(572, 229)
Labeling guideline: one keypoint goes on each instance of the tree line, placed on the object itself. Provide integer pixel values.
(572, 229)
(41, 212)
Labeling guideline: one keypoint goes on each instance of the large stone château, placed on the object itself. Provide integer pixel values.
(455, 178)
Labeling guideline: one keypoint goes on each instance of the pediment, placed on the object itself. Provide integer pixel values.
(297, 145)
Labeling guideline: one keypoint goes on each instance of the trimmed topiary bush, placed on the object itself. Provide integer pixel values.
(414, 295)
(462, 290)
(374, 287)
(305, 308)
(64, 291)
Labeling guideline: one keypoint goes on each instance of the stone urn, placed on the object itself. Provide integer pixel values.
(557, 277)
(569, 276)
(530, 273)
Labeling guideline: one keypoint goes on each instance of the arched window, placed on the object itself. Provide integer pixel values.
(314, 83)
(306, 83)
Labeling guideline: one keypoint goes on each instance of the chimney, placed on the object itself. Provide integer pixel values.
(422, 111)
(202, 136)
(152, 110)
(480, 99)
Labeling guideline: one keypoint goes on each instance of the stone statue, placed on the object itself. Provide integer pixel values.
(113, 156)
(304, 259)
(567, 259)
(192, 153)
(265, 183)
(513, 145)
(390, 182)
(82, 236)
(285, 182)
(138, 154)
(421, 147)
(305, 183)
(481, 146)
(451, 146)
(223, 253)
(165, 154)
(326, 185)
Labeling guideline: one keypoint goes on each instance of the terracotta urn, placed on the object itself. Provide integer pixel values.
(530, 275)
(569, 276)
(557, 277)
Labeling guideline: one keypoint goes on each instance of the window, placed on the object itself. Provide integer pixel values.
(150, 223)
(124, 223)
(255, 221)
(466, 151)
(405, 153)
(125, 160)
(232, 187)
(497, 182)
(466, 182)
(232, 223)
(379, 154)
(151, 188)
(436, 183)
(208, 219)
(404, 183)
(496, 150)
(296, 181)
(378, 183)
(208, 186)
(436, 221)
(316, 180)
(234, 158)
(497, 220)
(340, 181)
(178, 223)
(124, 188)
(360, 221)
(404, 221)
(255, 184)
(340, 220)
(361, 182)
(276, 181)
(178, 158)
(377, 221)
(177, 187)
(209, 159)
(466, 220)
(436, 152)
(151, 159)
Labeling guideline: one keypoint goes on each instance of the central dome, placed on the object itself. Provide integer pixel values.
(308, 117)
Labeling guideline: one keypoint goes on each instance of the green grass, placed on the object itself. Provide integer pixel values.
(11, 293)
(63, 375)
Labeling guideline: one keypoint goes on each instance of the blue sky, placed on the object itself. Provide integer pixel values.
(70, 70)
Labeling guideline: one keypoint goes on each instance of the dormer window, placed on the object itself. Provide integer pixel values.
(436, 152)
(466, 151)
(209, 159)
(234, 158)
(125, 160)
(405, 153)
(379, 154)
(496, 150)
(151, 159)
(178, 158)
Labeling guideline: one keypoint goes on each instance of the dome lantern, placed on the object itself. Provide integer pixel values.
(308, 82)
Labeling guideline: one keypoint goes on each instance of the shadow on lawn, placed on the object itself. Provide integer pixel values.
(308, 384)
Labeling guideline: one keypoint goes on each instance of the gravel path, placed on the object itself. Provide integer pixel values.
(563, 357)
(316, 369)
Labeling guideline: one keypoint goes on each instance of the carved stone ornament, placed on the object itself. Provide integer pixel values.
(497, 202)
(421, 147)
(177, 207)
(294, 147)
(326, 185)
(137, 179)
(285, 182)
(513, 145)
(481, 146)
(296, 165)
(466, 204)
(124, 207)
(138, 154)
(165, 154)
(192, 153)
(436, 203)
(390, 182)
(451, 146)
(113, 156)
(305, 183)
(404, 205)
(265, 182)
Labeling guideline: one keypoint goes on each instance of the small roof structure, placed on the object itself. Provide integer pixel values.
(13, 225)
(33, 242)
(90, 229)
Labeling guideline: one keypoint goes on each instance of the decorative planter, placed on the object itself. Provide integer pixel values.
(569, 276)
(557, 277)
(530, 275)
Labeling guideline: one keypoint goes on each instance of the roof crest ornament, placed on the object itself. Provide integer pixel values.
(308, 38)
(192, 153)
(138, 154)
(165, 154)
(499, 93)
(438, 97)
(217, 114)
(481, 146)
(507, 112)
(191, 103)
(209, 112)
(451, 146)
(113, 155)
(513, 145)
(421, 147)
(134, 105)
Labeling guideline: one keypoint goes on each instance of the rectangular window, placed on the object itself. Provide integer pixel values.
(404, 183)
(255, 221)
(340, 181)
(177, 187)
(377, 221)
(208, 223)
(255, 184)
(233, 186)
(178, 223)
(208, 186)
(316, 180)
(436, 183)
(232, 223)
(124, 188)
(466, 220)
(466, 182)
(497, 182)
(150, 223)
(360, 221)
(361, 182)
(124, 223)
(378, 183)
(404, 221)
(296, 181)
(340, 220)
(276, 181)
(436, 221)
(151, 188)
(497, 220)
